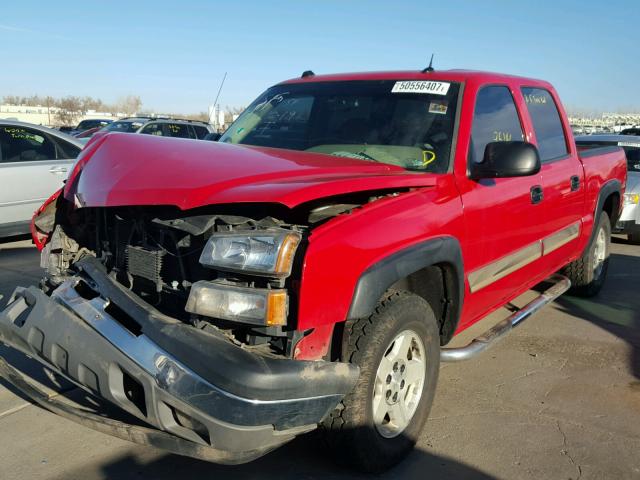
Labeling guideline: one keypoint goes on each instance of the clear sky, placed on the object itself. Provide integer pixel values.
(174, 53)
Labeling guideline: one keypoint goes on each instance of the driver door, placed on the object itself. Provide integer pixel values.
(501, 215)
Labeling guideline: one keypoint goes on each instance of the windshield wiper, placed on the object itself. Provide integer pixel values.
(367, 156)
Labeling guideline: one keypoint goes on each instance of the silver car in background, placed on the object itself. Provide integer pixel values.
(629, 222)
(34, 162)
(161, 126)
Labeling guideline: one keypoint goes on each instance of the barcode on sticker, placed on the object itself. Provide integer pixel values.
(421, 86)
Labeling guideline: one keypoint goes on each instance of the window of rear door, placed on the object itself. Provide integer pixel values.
(562, 174)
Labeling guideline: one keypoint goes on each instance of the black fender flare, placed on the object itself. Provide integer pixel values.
(377, 279)
(609, 187)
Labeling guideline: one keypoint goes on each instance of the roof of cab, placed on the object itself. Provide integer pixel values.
(450, 75)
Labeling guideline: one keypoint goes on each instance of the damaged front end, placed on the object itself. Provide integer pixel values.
(186, 321)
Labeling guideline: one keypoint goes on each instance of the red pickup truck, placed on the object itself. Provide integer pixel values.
(311, 267)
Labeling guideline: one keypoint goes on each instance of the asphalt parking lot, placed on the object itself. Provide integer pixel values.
(559, 398)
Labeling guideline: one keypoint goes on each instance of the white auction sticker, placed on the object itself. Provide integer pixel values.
(421, 86)
(628, 144)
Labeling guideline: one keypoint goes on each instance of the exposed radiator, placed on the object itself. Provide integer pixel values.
(145, 264)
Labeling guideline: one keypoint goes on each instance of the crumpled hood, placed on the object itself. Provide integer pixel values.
(121, 169)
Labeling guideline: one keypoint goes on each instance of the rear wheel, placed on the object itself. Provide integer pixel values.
(588, 273)
(398, 351)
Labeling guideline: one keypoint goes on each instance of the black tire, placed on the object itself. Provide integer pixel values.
(586, 280)
(634, 238)
(350, 430)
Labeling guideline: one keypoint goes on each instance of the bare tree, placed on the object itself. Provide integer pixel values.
(11, 100)
(202, 116)
(90, 103)
(49, 102)
(235, 110)
(129, 104)
(34, 100)
(69, 109)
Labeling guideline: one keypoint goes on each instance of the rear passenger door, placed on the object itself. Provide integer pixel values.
(562, 176)
(33, 165)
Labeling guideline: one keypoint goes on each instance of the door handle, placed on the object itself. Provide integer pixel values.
(575, 183)
(58, 170)
(537, 195)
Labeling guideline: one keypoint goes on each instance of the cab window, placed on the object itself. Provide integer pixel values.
(495, 119)
(546, 123)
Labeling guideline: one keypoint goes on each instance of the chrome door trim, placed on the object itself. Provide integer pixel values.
(561, 238)
(494, 271)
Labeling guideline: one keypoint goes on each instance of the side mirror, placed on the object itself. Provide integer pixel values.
(507, 159)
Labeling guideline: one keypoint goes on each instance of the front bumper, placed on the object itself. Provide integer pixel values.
(629, 221)
(627, 226)
(195, 385)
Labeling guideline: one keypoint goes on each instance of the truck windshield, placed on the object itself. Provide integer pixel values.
(406, 123)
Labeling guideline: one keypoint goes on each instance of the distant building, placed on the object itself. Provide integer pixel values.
(42, 115)
(607, 122)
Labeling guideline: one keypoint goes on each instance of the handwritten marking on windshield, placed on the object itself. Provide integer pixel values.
(277, 98)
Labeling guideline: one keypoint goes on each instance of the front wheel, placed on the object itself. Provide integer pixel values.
(588, 273)
(398, 351)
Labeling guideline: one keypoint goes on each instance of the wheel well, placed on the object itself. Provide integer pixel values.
(612, 207)
(435, 284)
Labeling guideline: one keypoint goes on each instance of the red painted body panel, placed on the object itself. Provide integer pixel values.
(40, 239)
(127, 169)
(342, 249)
(490, 219)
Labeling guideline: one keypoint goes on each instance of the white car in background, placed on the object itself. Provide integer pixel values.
(34, 162)
(161, 126)
(629, 221)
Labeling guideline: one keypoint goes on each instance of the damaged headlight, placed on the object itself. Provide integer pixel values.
(259, 306)
(267, 252)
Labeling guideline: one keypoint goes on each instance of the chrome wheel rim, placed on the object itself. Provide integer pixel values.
(399, 383)
(599, 253)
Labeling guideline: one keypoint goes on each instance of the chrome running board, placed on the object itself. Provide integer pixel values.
(560, 285)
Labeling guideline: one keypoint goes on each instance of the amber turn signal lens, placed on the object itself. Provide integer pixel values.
(286, 254)
(276, 309)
